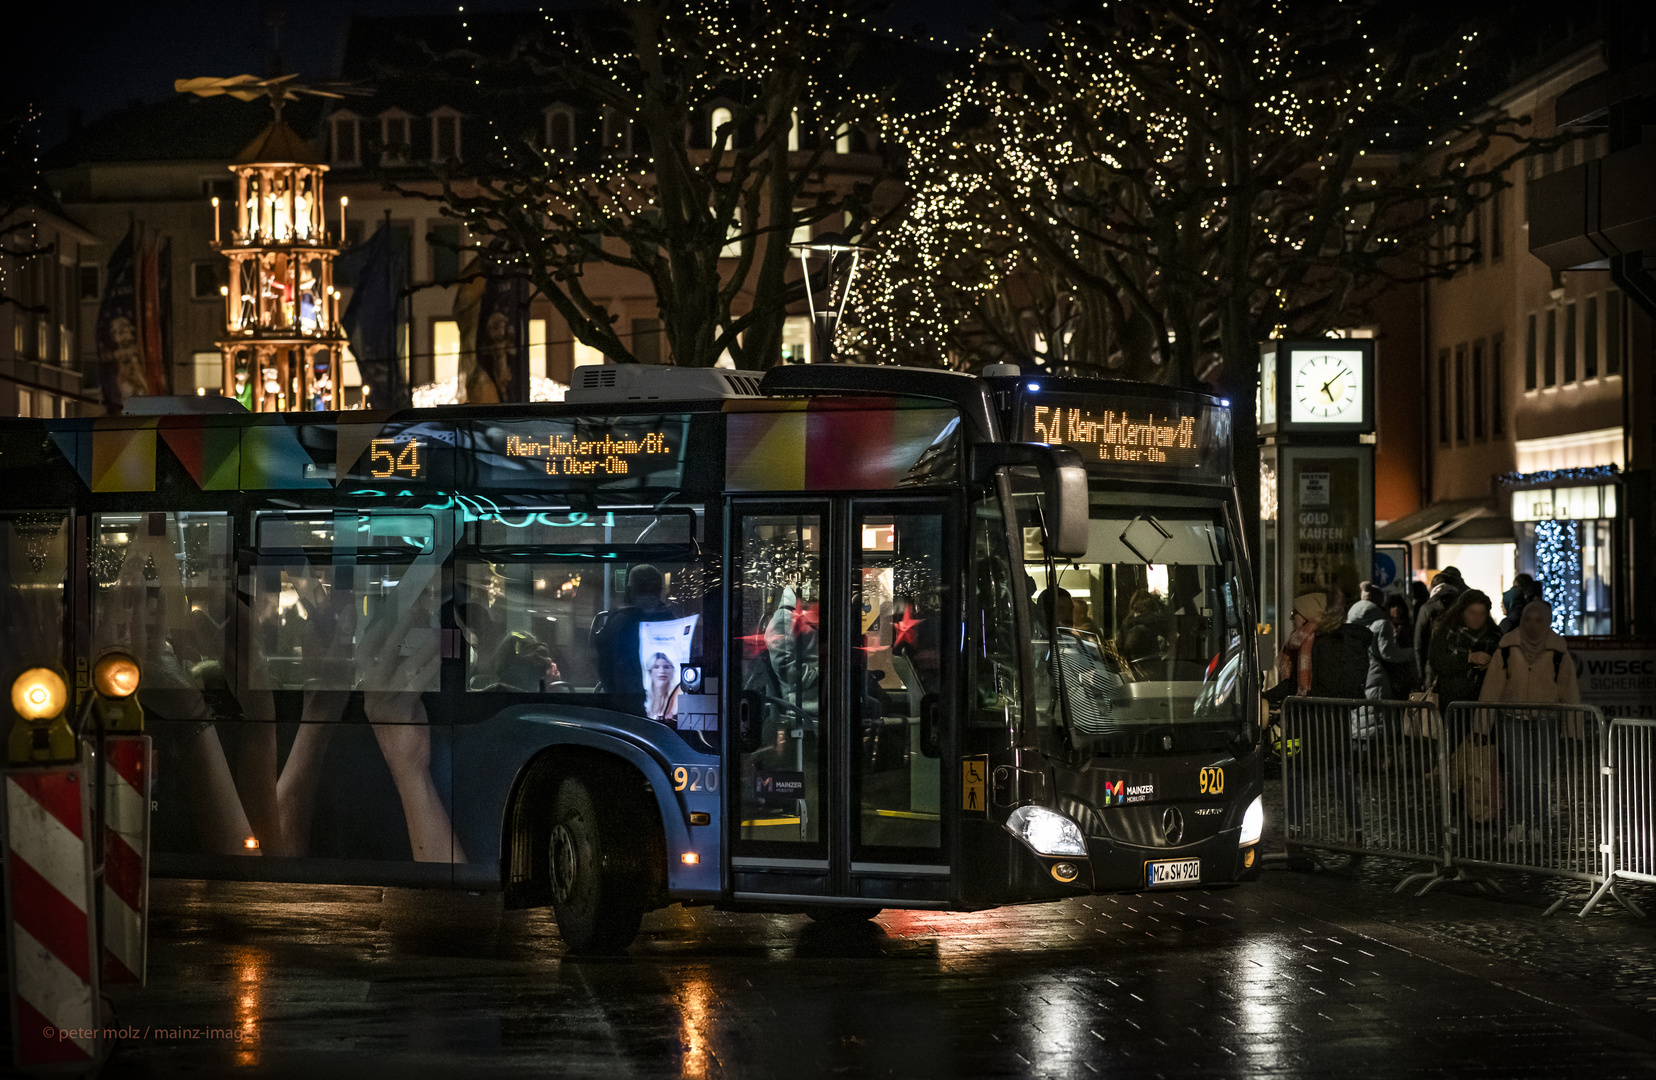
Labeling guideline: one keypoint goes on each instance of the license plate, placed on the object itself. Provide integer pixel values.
(1180, 872)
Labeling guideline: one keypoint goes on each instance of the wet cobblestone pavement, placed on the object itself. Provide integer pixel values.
(1611, 951)
(1285, 978)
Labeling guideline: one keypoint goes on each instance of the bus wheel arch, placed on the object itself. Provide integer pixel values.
(627, 821)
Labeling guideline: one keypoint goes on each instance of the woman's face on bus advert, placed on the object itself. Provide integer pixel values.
(661, 672)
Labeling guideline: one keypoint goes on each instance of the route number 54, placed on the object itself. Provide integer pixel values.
(1211, 781)
(383, 464)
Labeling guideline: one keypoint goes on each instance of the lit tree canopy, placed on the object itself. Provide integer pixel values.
(703, 203)
(1155, 187)
(20, 192)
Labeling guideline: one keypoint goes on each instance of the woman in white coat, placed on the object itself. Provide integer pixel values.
(1532, 666)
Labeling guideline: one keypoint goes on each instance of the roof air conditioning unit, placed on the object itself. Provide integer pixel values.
(601, 383)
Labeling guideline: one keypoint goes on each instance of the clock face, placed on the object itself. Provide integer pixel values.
(1326, 386)
(1267, 407)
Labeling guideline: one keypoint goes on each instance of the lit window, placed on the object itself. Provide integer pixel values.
(717, 119)
(445, 349)
(733, 236)
(209, 372)
(587, 354)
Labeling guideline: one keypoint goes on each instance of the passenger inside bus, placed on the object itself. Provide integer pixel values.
(523, 663)
(615, 635)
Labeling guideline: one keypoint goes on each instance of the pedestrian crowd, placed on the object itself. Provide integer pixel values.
(1444, 644)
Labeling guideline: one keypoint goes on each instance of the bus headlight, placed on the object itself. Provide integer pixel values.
(116, 675)
(39, 694)
(1047, 831)
(1253, 823)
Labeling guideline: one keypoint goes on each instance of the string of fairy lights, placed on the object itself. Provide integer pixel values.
(562, 208)
(1099, 143)
(1077, 117)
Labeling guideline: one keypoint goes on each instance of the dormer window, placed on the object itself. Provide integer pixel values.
(560, 129)
(347, 132)
(445, 135)
(394, 137)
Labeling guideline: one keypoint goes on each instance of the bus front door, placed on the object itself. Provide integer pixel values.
(841, 696)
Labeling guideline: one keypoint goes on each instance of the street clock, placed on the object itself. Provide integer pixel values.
(1323, 385)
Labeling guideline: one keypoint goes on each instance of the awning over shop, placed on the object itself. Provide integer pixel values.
(1470, 521)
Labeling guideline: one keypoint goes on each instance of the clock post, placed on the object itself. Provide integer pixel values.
(1316, 483)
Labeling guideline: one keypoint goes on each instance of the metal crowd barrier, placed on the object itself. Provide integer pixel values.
(1365, 777)
(1541, 789)
(1629, 770)
(1526, 789)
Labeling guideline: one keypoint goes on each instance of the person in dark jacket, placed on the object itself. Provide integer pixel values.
(1391, 663)
(1446, 587)
(1525, 592)
(1511, 605)
(1463, 642)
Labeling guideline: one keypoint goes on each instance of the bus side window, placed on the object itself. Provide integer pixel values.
(346, 601)
(161, 590)
(589, 626)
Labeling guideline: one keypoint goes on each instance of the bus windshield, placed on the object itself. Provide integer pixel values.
(1139, 644)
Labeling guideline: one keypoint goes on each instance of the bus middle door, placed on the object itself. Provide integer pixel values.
(841, 696)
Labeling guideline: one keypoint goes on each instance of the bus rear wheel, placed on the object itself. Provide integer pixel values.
(598, 887)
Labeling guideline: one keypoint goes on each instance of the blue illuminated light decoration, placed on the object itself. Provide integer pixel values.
(1034, 388)
(1558, 565)
(1592, 474)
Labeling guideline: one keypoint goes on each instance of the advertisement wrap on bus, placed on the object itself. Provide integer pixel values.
(843, 639)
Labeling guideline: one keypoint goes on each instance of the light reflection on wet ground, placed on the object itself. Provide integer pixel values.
(360, 983)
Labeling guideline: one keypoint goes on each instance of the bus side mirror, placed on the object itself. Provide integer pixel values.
(1064, 499)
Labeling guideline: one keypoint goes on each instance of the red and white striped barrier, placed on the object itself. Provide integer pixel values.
(128, 764)
(56, 1019)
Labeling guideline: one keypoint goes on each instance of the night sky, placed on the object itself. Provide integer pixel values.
(96, 57)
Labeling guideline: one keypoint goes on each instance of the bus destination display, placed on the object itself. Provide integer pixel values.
(1133, 435)
(616, 452)
(611, 455)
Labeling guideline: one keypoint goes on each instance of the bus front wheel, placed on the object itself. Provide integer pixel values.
(598, 889)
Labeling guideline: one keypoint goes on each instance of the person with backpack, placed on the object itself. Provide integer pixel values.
(1327, 657)
(1447, 586)
(1526, 590)
(1391, 663)
(1324, 656)
(1531, 665)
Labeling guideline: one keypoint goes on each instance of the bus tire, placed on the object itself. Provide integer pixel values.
(599, 890)
(843, 916)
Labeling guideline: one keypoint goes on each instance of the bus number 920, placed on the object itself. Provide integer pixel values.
(695, 778)
(1211, 781)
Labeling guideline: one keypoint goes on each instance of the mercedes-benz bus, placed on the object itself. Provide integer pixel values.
(834, 639)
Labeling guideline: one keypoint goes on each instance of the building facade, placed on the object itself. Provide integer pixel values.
(44, 330)
(1532, 373)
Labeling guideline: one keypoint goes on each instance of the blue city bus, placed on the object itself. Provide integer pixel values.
(834, 639)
